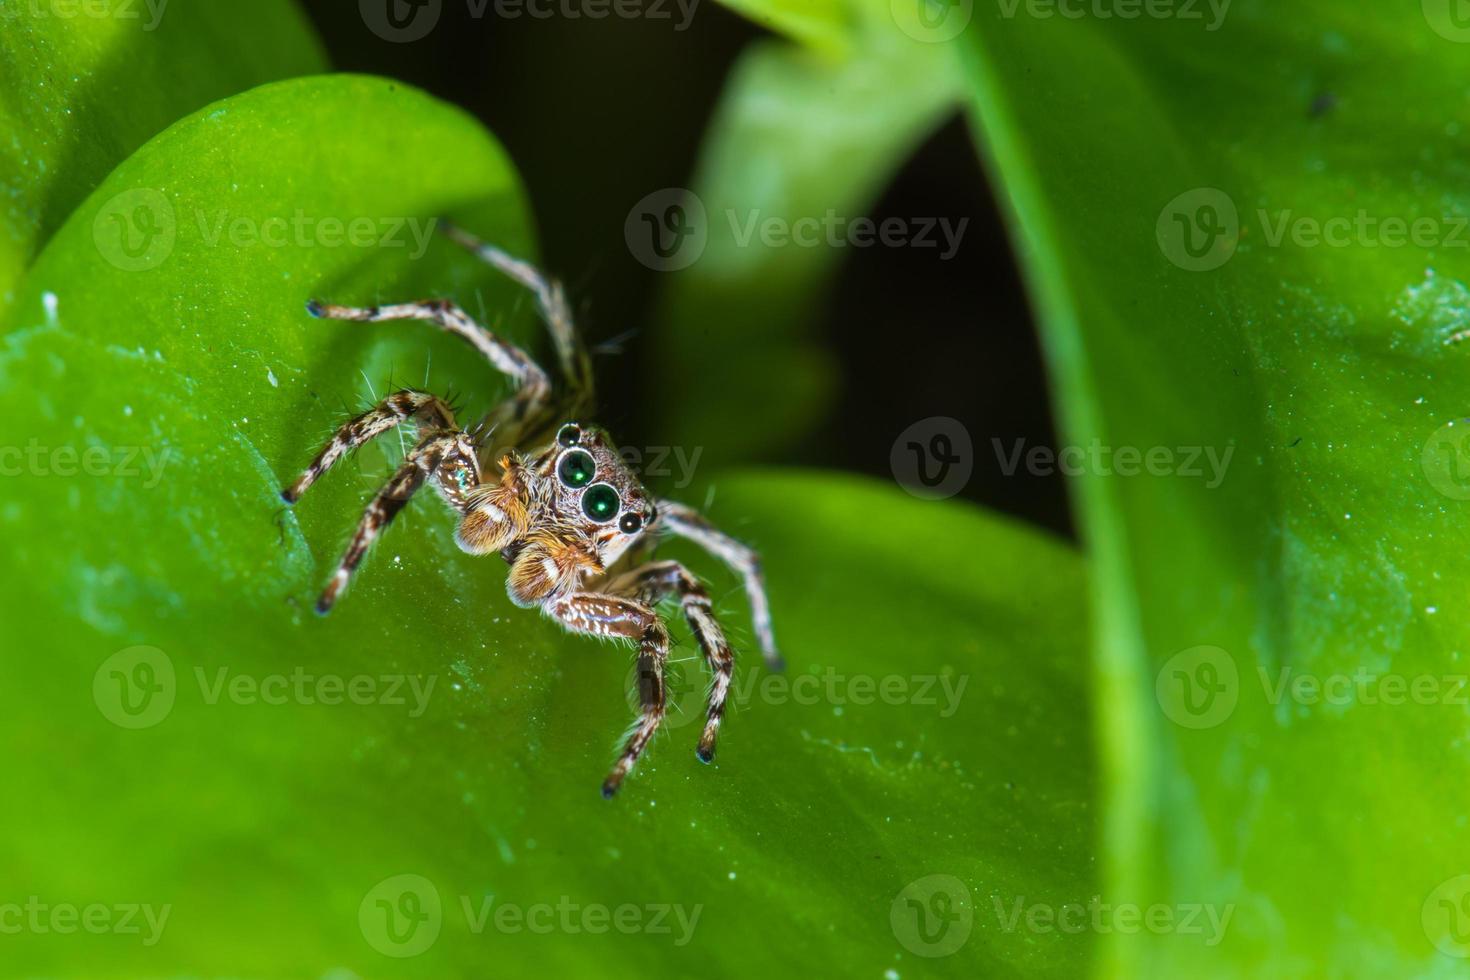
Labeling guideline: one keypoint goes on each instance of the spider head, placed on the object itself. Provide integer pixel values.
(595, 489)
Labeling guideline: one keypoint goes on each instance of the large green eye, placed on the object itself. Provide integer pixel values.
(600, 503)
(577, 468)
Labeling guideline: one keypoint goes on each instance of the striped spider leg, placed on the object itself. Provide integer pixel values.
(566, 515)
(443, 453)
(653, 582)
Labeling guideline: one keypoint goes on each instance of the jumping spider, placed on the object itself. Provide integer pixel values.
(571, 519)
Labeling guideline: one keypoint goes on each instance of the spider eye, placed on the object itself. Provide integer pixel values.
(630, 524)
(577, 468)
(569, 435)
(600, 502)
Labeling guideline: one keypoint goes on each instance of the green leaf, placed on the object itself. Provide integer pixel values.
(84, 84)
(932, 722)
(1324, 823)
(801, 145)
(821, 24)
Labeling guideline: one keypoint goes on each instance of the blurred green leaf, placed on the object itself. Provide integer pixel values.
(84, 84)
(804, 138)
(933, 720)
(824, 25)
(1330, 824)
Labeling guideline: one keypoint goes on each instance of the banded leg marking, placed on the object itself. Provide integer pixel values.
(427, 410)
(687, 522)
(599, 614)
(533, 387)
(651, 583)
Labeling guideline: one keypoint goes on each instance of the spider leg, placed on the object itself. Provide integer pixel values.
(533, 388)
(443, 455)
(603, 615)
(427, 410)
(686, 522)
(443, 452)
(551, 300)
(651, 583)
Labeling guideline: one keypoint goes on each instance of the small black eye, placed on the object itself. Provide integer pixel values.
(600, 502)
(630, 524)
(570, 435)
(577, 468)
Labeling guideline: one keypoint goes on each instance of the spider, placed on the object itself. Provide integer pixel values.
(571, 519)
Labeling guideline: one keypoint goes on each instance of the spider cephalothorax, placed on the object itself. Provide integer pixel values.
(567, 511)
(569, 516)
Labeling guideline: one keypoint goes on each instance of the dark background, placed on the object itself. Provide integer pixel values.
(596, 113)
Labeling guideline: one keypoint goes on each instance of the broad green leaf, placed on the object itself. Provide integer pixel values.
(1165, 175)
(800, 146)
(932, 721)
(83, 83)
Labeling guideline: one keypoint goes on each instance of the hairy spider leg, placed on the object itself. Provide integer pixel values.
(598, 614)
(551, 301)
(423, 461)
(686, 522)
(443, 452)
(533, 387)
(651, 583)
(429, 412)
